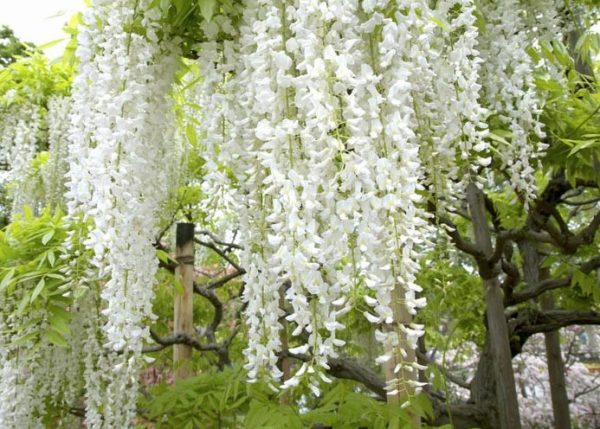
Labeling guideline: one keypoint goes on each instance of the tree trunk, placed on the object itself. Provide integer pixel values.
(508, 406)
(184, 301)
(483, 388)
(556, 370)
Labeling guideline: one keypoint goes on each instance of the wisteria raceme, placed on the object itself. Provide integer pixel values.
(544, 20)
(20, 133)
(23, 387)
(216, 62)
(119, 120)
(399, 172)
(258, 38)
(324, 113)
(511, 94)
(55, 169)
(328, 191)
(460, 136)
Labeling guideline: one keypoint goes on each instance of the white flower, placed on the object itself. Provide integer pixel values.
(119, 137)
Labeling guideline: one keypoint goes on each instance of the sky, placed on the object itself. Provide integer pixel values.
(39, 21)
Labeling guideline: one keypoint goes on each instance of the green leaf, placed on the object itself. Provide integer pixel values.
(500, 136)
(50, 44)
(47, 237)
(7, 279)
(163, 256)
(51, 258)
(58, 311)
(23, 339)
(23, 304)
(439, 23)
(207, 8)
(56, 338)
(60, 326)
(422, 406)
(38, 289)
(190, 132)
(27, 213)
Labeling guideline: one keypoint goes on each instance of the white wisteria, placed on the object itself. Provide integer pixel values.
(509, 88)
(119, 140)
(56, 167)
(320, 111)
(327, 129)
(18, 143)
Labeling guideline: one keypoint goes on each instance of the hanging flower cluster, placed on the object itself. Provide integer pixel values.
(19, 398)
(545, 20)
(56, 167)
(324, 112)
(20, 131)
(218, 61)
(510, 92)
(119, 139)
(29, 383)
(457, 145)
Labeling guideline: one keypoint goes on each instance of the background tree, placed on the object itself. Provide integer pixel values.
(11, 46)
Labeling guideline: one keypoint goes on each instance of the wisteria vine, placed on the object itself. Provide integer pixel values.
(119, 139)
(326, 127)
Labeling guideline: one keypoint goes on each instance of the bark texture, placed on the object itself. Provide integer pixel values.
(508, 406)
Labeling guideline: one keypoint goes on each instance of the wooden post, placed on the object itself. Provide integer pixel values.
(402, 355)
(286, 367)
(184, 302)
(508, 406)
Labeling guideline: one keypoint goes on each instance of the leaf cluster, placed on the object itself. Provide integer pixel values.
(33, 280)
(33, 79)
(225, 400)
(10, 46)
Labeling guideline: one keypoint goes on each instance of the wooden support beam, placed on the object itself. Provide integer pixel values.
(184, 302)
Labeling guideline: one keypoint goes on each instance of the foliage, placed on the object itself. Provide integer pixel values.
(10, 46)
(35, 79)
(34, 277)
(214, 399)
(224, 400)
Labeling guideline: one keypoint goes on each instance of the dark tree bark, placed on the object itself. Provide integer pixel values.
(533, 274)
(508, 406)
(556, 372)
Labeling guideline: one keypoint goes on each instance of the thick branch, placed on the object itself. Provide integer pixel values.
(551, 320)
(549, 284)
(451, 377)
(164, 342)
(349, 370)
(452, 231)
(225, 279)
(212, 297)
(216, 240)
(587, 234)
